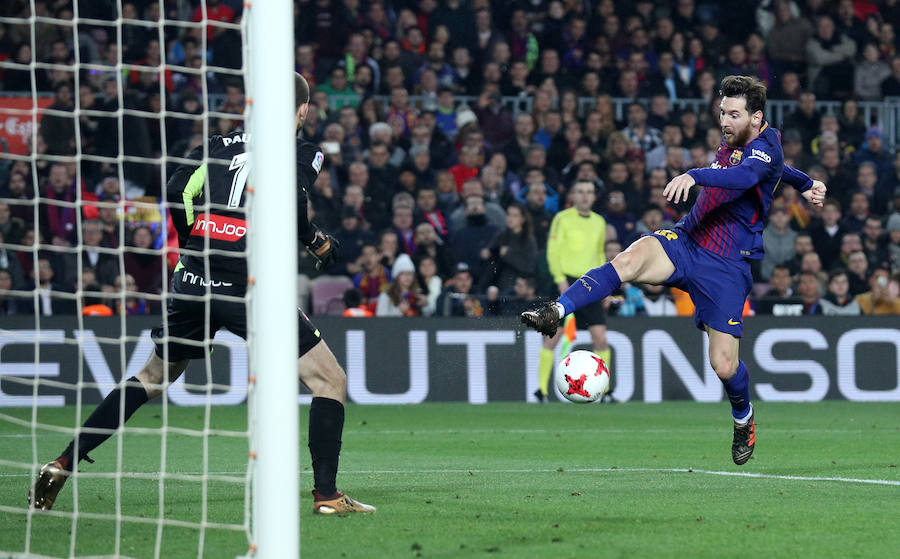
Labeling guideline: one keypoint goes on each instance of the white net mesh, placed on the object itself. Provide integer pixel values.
(100, 104)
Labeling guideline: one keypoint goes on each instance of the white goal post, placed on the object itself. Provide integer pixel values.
(271, 482)
(273, 267)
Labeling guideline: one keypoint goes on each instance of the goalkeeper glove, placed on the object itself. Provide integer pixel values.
(325, 249)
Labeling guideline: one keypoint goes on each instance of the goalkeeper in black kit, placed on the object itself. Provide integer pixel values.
(207, 202)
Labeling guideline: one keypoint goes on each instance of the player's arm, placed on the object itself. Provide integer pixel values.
(753, 170)
(813, 191)
(322, 246)
(184, 187)
(796, 178)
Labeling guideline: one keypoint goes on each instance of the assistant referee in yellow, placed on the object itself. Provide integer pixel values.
(576, 245)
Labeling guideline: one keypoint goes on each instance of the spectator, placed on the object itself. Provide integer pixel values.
(873, 151)
(638, 132)
(53, 297)
(474, 235)
(827, 236)
(145, 265)
(813, 265)
(778, 241)
(93, 254)
(132, 303)
(454, 298)
(780, 282)
(838, 301)
(352, 237)
(875, 242)
(522, 298)
(890, 87)
(830, 54)
(858, 272)
(356, 57)
(805, 118)
(374, 276)
(338, 89)
(58, 221)
(58, 131)
(11, 305)
(473, 188)
(870, 73)
(403, 226)
(879, 299)
(808, 289)
(402, 297)
(618, 217)
(512, 253)
(388, 247)
(11, 228)
(431, 284)
(656, 301)
(893, 232)
(467, 168)
(858, 213)
(494, 119)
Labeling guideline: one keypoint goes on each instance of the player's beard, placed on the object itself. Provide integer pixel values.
(738, 138)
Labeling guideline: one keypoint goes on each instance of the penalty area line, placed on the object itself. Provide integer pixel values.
(634, 470)
(723, 473)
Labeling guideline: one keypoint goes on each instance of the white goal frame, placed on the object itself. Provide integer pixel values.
(273, 279)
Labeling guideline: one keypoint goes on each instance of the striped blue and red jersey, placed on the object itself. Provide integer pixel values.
(731, 211)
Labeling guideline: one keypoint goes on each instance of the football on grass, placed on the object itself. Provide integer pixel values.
(582, 377)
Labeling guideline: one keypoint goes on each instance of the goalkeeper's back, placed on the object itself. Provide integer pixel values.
(222, 182)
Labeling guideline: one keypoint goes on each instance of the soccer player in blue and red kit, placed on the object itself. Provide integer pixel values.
(707, 253)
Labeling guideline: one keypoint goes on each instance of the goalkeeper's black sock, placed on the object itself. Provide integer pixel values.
(105, 416)
(326, 423)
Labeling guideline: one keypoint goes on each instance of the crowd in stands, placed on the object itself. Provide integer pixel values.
(444, 208)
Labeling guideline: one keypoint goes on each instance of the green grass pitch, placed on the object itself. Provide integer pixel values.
(508, 480)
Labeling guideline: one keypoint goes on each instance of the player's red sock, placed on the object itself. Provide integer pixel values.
(326, 424)
(105, 416)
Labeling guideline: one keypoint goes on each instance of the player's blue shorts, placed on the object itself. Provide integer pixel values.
(717, 285)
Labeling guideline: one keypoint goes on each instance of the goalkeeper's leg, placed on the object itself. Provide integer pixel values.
(115, 409)
(325, 378)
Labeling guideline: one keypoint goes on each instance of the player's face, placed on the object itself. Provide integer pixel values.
(583, 196)
(737, 124)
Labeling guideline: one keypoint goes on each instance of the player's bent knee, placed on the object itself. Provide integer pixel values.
(724, 367)
(626, 265)
(321, 373)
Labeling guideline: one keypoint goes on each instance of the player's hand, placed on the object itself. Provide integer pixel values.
(816, 194)
(679, 188)
(325, 249)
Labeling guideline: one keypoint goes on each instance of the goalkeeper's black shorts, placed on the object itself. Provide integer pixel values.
(188, 334)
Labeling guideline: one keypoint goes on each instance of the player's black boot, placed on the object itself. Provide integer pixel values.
(544, 319)
(744, 440)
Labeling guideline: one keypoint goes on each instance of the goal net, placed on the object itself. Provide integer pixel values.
(99, 104)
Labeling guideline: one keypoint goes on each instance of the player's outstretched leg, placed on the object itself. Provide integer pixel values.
(723, 355)
(645, 261)
(121, 403)
(322, 374)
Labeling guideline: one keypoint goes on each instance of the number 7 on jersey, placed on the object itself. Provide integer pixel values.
(240, 163)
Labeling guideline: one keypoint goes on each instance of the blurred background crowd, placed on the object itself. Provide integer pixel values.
(453, 131)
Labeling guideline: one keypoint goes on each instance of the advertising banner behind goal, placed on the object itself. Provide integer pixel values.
(403, 361)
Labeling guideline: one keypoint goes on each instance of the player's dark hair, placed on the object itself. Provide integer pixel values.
(301, 90)
(751, 89)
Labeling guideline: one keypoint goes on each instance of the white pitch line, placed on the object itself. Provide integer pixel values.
(574, 470)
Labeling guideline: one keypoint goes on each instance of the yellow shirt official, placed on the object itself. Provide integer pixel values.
(576, 244)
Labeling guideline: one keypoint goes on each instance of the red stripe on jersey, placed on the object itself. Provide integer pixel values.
(758, 205)
(219, 227)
